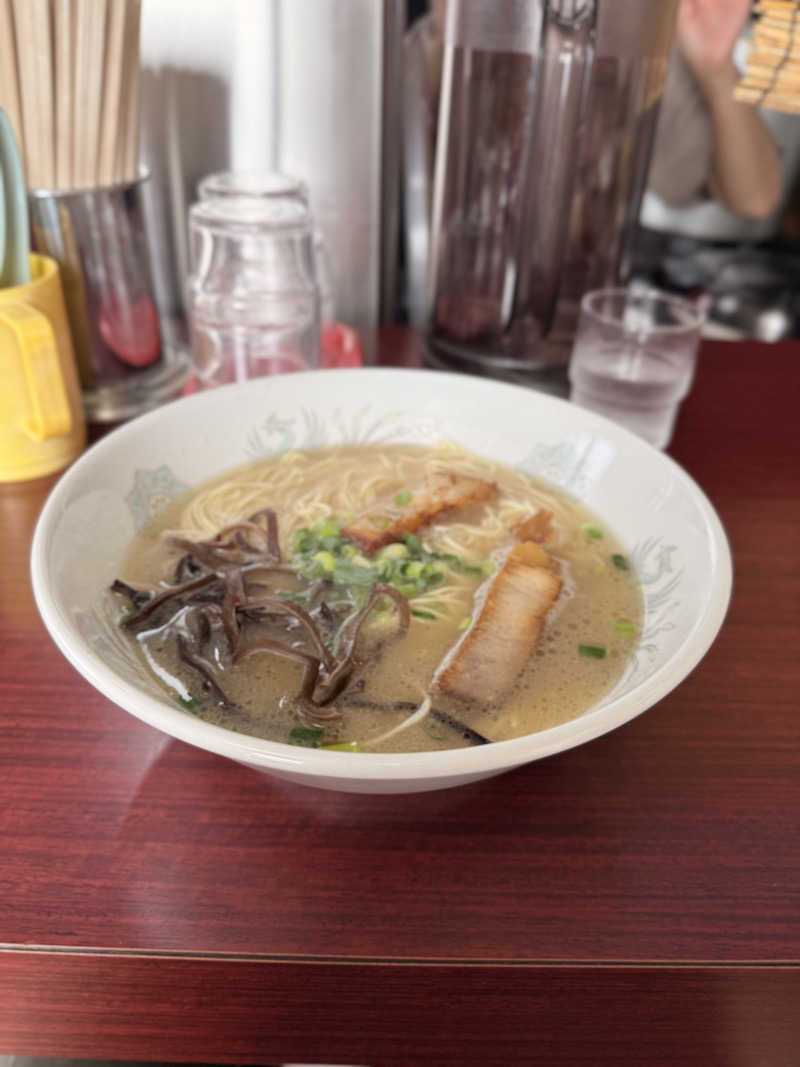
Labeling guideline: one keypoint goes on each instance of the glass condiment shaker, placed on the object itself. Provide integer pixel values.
(253, 300)
(275, 185)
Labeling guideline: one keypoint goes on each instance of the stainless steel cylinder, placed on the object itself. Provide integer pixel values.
(99, 239)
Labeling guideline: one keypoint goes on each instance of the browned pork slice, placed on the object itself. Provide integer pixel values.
(538, 528)
(511, 611)
(405, 512)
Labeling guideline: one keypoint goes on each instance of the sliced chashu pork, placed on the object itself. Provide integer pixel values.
(386, 521)
(511, 611)
(538, 528)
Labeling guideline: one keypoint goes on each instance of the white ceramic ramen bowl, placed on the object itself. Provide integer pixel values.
(673, 536)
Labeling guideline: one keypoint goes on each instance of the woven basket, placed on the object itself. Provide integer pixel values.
(772, 77)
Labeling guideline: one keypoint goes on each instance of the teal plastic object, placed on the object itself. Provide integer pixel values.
(15, 265)
(2, 229)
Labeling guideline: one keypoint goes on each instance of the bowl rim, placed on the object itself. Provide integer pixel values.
(409, 767)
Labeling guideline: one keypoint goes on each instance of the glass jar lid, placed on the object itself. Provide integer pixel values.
(248, 215)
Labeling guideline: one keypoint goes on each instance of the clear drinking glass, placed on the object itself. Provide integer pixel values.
(252, 298)
(275, 185)
(634, 357)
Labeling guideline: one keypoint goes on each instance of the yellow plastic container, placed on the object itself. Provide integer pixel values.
(42, 424)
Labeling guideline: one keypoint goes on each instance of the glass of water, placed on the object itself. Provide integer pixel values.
(634, 357)
(253, 300)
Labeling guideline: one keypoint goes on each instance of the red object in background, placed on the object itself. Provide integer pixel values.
(131, 330)
(341, 347)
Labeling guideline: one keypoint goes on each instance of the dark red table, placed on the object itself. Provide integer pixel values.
(633, 901)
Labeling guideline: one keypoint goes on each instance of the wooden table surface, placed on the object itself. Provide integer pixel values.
(632, 901)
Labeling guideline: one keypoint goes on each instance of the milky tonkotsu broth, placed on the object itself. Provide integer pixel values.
(600, 605)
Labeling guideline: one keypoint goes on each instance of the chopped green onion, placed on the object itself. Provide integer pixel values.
(413, 544)
(419, 614)
(625, 627)
(407, 589)
(326, 528)
(592, 651)
(406, 564)
(465, 623)
(188, 702)
(303, 540)
(396, 550)
(621, 563)
(593, 533)
(347, 572)
(380, 522)
(326, 560)
(599, 568)
(305, 736)
(402, 498)
(385, 569)
(345, 746)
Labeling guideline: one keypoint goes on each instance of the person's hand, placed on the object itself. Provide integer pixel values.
(746, 172)
(707, 32)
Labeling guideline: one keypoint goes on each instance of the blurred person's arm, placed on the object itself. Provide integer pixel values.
(746, 171)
